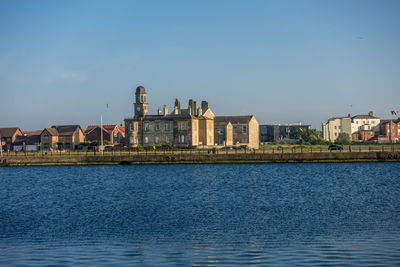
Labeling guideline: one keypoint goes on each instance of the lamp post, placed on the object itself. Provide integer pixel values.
(394, 112)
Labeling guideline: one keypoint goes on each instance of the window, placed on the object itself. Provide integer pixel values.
(157, 140)
(244, 129)
(67, 146)
(146, 140)
(182, 139)
(167, 139)
(157, 126)
(46, 137)
(131, 127)
(167, 126)
(46, 146)
(335, 134)
(131, 140)
(335, 127)
(234, 129)
(182, 125)
(146, 127)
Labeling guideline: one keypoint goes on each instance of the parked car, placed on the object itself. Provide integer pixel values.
(245, 147)
(227, 148)
(335, 147)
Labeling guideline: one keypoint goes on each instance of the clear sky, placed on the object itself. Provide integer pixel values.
(63, 62)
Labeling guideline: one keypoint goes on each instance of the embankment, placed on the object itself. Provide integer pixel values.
(186, 158)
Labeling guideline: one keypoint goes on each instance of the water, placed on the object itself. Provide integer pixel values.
(201, 215)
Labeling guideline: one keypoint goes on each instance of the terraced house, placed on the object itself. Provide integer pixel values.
(190, 127)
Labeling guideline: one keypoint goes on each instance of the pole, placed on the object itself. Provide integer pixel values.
(1, 146)
(101, 126)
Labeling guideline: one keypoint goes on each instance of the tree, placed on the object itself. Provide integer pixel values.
(343, 139)
(308, 137)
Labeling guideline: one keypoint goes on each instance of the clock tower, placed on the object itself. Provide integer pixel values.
(140, 104)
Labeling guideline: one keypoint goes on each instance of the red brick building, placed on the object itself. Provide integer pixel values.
(389, 131)
(8, 136)
(114, 134)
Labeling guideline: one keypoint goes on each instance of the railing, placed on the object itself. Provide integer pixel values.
(264, 150)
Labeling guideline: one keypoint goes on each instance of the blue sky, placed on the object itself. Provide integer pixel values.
(63, 62)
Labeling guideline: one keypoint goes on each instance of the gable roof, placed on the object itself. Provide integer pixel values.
(234, 119)
(51, 131)
(108, 128)
(31, 132)
(66, 129)
(8, 132)
(208, 114)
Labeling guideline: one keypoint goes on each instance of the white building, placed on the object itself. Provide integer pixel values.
(365, 123)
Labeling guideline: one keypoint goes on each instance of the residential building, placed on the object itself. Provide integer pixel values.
(29, 141)
(112, 134)
(62, 137)
(237, 130)
(8, 137)
(389, 131)
(335, 126)
(365, 122)
(281, 132)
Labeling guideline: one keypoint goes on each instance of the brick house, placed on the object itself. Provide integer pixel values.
(389, 131)
(8, 137)
(114, 134)
(62, 137)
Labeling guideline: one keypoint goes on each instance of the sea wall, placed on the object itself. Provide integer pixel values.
(179, 158)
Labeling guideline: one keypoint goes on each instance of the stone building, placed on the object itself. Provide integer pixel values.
(191, 127)
(237, 130)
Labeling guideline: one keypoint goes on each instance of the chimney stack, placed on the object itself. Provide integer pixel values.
(204, 105)
(159, 111)
(371, 113)
(177, 107)
(165, 110)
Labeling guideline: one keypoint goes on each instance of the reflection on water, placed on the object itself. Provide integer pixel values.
(201, 215)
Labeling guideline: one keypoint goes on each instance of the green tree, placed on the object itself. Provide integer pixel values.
(308, 137)
(343, 139)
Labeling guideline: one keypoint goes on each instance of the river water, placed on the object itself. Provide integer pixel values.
(343, 214)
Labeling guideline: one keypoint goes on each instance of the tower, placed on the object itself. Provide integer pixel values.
(140, 104)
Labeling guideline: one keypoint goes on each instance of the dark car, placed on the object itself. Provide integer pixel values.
(227, 148)
(335, 147)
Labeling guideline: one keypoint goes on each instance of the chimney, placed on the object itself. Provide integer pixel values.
(177, 107)
(190, 107)
(204, 105)
(194, 104)
(165, 110)
(371, 113)
(159, 111)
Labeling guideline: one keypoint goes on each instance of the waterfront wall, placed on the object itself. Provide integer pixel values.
(179, 158)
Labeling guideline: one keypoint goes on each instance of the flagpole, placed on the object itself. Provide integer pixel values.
(101, 126)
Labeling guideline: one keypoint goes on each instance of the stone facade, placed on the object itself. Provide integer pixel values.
(181, 128)
(237, 130)
(191, 127)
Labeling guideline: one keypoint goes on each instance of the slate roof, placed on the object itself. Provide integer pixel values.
(364, 117)
(66, 129)
(233, 119)
(8, 132)
(140, 90)
(27, 140)
(107, 128)
(52, 131)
